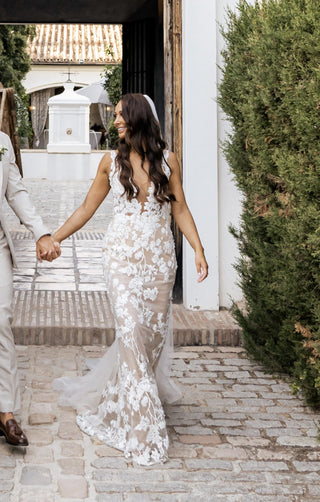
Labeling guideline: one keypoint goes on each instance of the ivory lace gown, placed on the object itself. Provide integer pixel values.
(120, 400)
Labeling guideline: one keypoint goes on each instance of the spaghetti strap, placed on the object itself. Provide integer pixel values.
(165, 167)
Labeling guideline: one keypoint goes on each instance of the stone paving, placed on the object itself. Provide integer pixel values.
(56, 200)
(238, 434)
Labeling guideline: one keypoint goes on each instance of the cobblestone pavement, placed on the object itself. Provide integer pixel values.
(56, 201)
(237, 434)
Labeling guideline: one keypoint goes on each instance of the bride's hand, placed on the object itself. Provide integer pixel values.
(57, 252)
(202, 265)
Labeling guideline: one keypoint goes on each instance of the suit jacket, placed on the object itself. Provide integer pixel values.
(13, 189)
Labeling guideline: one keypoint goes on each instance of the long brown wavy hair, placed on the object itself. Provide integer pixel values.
(144, 136)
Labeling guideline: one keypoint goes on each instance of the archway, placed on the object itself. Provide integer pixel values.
(151, 55)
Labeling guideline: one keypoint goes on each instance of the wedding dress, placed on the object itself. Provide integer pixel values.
(120, 400)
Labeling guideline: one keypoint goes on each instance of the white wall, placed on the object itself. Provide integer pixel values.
(45, 76)
(60, 166)
(211, 193)
(200, 169)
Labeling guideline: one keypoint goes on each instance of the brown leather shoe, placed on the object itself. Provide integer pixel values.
(13, 434)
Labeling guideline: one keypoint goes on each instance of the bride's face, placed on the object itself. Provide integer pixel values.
(119, 121)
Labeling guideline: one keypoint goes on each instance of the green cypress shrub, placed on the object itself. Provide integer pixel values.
(270, 92)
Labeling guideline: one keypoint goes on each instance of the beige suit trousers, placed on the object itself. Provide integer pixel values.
(9, 381)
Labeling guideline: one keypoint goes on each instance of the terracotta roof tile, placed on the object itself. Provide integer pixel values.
(75, 43)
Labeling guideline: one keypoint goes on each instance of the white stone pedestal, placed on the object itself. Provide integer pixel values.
(69, 122)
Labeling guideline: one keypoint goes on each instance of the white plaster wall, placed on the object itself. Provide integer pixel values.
(200, 169)
(210, 189)
(45, 76)
(60, 166)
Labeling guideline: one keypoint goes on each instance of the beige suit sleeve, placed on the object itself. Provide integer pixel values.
(19, 200)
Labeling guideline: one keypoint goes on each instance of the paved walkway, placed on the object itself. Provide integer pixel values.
(238, 433)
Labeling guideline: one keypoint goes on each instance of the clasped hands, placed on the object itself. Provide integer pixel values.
(47, 248)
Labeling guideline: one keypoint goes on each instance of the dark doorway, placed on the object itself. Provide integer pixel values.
(143, 49)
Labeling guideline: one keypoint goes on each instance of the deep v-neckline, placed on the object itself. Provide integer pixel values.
(143, 203)
(147, 192)
(134, 206)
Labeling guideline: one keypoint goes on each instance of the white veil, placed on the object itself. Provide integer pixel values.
(152, 106)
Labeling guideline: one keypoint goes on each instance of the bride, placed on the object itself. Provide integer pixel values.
(120, 400)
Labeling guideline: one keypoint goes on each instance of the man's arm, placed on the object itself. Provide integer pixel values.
(19, 200)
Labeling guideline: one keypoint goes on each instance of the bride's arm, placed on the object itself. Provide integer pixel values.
(183, 217)
(97, 193)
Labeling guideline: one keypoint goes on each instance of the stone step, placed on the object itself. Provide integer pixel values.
(54, 317)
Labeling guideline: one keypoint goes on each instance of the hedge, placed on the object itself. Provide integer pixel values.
(270, 92)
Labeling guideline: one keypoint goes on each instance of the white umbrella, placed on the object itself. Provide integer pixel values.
(96, 93)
